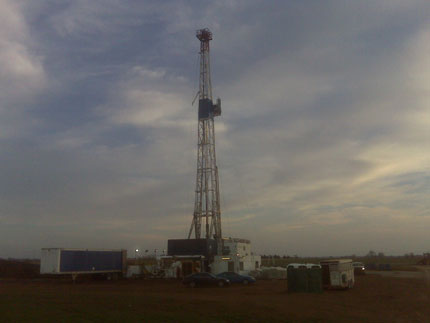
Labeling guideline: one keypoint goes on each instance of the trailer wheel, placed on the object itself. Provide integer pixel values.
(245, 282)
(192, 284)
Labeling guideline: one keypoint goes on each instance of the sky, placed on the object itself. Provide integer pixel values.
(323, 146)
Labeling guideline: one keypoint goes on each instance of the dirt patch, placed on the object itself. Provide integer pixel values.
(374, 298)
(398, 274)
(426, 272)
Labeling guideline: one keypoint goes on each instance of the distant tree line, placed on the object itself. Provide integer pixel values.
(370, 254)
(278, 256)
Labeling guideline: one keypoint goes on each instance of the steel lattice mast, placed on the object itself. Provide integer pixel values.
(207, 203)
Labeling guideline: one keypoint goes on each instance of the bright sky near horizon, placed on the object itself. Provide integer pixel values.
(323, 146)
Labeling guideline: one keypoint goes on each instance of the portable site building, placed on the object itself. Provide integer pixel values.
(337, 273)
(237, 257)
(234, 263)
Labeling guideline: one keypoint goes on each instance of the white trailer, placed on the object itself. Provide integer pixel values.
(60, 261)
(337, 273)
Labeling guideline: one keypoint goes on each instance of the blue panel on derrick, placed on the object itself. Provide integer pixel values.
(85, 260)
(205, 108)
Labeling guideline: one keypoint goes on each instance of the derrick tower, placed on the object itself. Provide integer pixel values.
(207, 211)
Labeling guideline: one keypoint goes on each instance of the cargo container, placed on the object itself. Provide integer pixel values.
(337, 273)
(188, 247)
(60, 261)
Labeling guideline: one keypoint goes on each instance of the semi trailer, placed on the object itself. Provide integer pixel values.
(61, 261)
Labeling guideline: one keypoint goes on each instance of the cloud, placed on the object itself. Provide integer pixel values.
(322, 146)
(22, 74)
(147, 99)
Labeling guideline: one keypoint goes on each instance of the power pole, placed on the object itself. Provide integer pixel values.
(207, 203)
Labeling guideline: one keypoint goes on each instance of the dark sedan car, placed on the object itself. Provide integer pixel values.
(236, 278)
(205, 279)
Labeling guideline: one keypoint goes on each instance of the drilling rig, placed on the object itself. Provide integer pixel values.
(207, 250)
(207, 211)
(206, 223)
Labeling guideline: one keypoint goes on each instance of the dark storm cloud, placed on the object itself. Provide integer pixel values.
(324, 130)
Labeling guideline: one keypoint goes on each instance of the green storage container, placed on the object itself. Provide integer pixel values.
(315, 280)
(292, 280)
(304, 280)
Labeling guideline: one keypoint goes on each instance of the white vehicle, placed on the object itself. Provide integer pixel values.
(359, 268)
(307, 266)
(337, 273)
